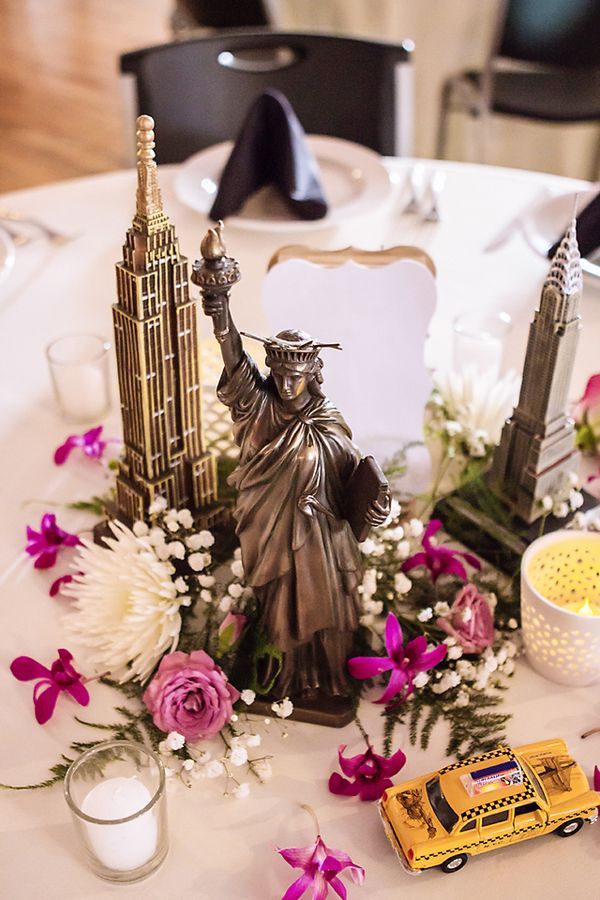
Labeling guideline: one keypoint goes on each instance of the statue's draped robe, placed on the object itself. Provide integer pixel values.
(299, 554)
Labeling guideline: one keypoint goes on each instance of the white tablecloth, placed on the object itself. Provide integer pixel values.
(224, 848)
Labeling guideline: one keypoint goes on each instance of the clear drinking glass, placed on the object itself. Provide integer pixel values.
(479, 340)
(116, 793)
(79, 371)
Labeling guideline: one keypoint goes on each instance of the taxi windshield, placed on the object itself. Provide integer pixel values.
(444, 812)
(537, 785)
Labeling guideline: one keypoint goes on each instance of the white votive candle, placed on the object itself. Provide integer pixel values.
(121, 845)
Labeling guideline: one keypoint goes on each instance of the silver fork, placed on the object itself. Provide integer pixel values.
(54, 236)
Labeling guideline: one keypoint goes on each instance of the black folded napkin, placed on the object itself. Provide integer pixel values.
(271, 148)
(588, 229)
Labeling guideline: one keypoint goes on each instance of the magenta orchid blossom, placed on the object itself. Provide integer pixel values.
(61, 676)
(596, 780)
(321, 869)
(90, 442)
(46, 543)
(404, 661)
(370, 773)
(440, 560)
(56, 586)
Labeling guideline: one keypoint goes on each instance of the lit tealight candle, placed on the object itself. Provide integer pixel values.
(121, 845)
(560, 606)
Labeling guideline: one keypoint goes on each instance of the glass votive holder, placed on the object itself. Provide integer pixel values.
(116, 794)
(560, 606)
(79, 371)
(479, 340)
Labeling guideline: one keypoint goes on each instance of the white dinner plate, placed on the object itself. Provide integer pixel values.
(354, 181)
(7, 254)
(545, 222)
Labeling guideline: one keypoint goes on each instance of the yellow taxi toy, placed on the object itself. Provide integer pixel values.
(488, 801)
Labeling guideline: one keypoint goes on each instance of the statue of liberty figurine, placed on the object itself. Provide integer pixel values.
(297, 458)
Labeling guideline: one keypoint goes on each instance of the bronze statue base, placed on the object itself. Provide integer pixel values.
(313, 707)
(482, 522)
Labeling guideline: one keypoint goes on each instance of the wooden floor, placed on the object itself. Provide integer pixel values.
(60, 107)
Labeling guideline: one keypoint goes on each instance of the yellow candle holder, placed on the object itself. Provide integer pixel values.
(560, 606)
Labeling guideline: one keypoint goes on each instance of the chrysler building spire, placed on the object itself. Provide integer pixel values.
(537, 447)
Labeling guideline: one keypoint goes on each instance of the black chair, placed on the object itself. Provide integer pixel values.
(544, 64)
(191, 17)
(199, 91)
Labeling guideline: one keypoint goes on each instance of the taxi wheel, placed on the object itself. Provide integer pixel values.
(454, 863)
(569, 828)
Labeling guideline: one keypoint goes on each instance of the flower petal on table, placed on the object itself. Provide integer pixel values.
(78, 692)
(393, 764)
(298, 887)
(25, 668)
(45, 701)
(342, 787)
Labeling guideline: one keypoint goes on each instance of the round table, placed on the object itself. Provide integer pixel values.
(224, 848)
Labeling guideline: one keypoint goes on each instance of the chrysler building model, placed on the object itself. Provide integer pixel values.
(157, 349)
(537, 447)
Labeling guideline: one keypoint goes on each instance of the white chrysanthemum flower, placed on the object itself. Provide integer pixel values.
(157, 506)
(478, 401)
(369, 583)
(126, 609)
(253, 740)
(241, 791)
(424, 615)
(373, 606)
(441, 608)
(188, 764)
(575, 499)
(235, 590)
(248, 696)
(140, 529)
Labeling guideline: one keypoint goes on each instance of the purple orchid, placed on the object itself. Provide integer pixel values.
(90, 442)
(440, 560)
(45, 543)
(56, 586)
(371, 773)
(403, 660)
(322, 867)
(61, 676)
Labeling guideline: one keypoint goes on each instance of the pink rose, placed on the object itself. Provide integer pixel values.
(587, 417)
(470, 621)
(190, 694)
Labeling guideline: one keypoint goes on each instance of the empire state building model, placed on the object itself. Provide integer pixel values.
(537, 447)
(157, 348)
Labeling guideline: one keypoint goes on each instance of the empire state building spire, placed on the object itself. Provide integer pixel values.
(537, 447)
(157, 349)
(149, 215)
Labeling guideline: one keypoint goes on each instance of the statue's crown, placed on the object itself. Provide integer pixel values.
(291, 347)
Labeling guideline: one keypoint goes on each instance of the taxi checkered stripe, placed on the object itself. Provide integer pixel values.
(491, 754)
(528, 792)
(489, 842)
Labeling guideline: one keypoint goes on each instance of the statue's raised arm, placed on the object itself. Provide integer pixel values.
(215, 274)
